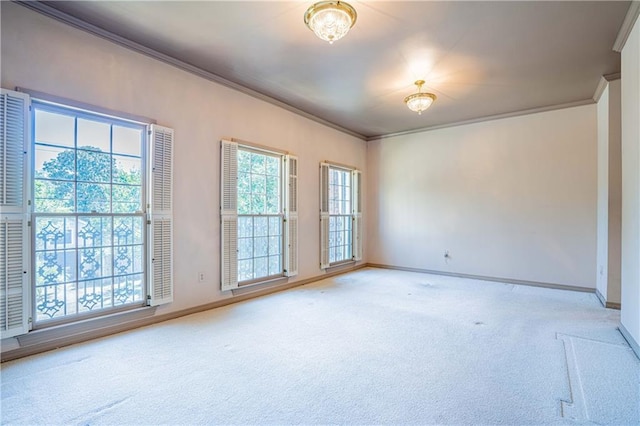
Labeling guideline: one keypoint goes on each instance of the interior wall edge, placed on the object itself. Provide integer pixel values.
(604, 303)
(55, 338)
(630, 340)
(485, 278)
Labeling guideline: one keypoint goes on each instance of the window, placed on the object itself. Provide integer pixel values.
(88, 221)
(259, 215)
(340, 215)
(81, 235)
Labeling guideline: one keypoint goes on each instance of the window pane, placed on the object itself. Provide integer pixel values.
(127, 140)
(258, 163)
(127, 194)
(245, 248)
(94, 197)
(244, 161)
(245, 227)
(94, 135)
(54, 196)
(261, 267)
(54, 163)
(261, 246)
(275, 245)
(55, 129)
(273, 166)
(258, 202)
(245, 270)
(94, 166)
(275, 265)
(275, 225)
(127, 170)
(260, 226)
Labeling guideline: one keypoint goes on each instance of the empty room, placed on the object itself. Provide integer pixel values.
(334, 212)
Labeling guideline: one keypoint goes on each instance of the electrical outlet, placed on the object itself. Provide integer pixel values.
(446, 254)
(200, 276)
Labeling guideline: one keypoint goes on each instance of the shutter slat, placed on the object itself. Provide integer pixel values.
(324, 215)
(229, 178)
(291, 230)
(229, 215)
(357, 214)
(324, 241)
(161, 233)
(229, 266)
(13, 115)
(13, 268)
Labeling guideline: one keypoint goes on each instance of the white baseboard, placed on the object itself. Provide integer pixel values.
(485, 278)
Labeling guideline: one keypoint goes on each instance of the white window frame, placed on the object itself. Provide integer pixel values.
(229, 214)
(325, 214)
(157, 207)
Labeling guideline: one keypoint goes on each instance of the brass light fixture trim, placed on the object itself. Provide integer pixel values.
(420, 101)
(330, 20)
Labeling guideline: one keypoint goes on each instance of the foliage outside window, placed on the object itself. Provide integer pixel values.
(260, 215)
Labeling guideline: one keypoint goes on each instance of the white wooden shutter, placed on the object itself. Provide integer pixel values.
(14, 241)
(229, 215)
(291, 216)
(161, 202)
(324, 215)
(356, 186)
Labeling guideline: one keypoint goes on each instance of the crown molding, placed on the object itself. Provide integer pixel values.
(602, 84)
(486, 118)
(627, 25)
(65, 18)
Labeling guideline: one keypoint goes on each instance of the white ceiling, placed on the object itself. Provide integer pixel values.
(480, 58)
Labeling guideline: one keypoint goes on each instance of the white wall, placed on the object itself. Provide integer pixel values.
(512, 198)
(630, 315)
(41, 54)
(609, 214)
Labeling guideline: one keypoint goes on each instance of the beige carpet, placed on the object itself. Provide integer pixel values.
(368, 347)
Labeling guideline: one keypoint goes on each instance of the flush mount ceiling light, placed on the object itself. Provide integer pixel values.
(330, 20)
(419, 101)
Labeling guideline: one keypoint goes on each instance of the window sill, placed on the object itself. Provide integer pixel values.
(257, 285)
(338, 265)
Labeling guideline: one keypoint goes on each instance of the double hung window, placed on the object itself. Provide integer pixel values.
(88, 217)
(340, 215)
(259, 215)
(86, 214)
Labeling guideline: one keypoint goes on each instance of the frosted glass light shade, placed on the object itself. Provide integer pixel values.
(419, 101)
(330, 20)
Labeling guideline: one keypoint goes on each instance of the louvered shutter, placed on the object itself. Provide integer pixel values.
(229, 215)
(291, 216)
(14, 243)
(356, 186)
(324, 215)
(161, 233)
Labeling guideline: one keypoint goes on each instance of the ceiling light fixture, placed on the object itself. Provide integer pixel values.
(330, 20)
(419, 101)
